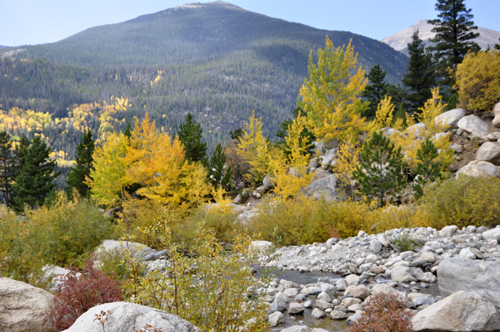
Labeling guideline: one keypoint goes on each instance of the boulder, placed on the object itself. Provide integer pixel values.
(474, 126)
(403, 273)
(375, 246)
(328, 289)
(359, 291)
(329, 158)
(22, 307)
(124, 317)
(279, 303)
(276, 318)
(479, 168)
(296, 308)
(448, 231)
(297, 328)
(261, 246)
(330, 187)
(338, 315)
(416, 129)
(482, 277)
(496, 114)
(489, 152)
(137, 250)
(461, 311)
(320, 173)
(492, 234)
(449, 119)
(268, 182)
(386, 289)
(318, 314)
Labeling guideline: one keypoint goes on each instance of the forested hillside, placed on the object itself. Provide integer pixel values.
(214, 60)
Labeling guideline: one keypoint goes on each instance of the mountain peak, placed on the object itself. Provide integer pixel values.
(202, 5)
(399, 41)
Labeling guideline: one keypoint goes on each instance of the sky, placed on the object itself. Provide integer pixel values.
(33, 22)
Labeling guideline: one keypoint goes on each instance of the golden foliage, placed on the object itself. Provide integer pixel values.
(331, 95)
(254, 148)
(215, 302)
(291, 175)
(384, 114)
(108, 179)
(478, 80)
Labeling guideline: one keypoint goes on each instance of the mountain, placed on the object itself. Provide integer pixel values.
(1, 46)
(215, 60)
(399, 41)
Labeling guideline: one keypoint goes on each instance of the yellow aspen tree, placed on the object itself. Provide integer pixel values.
(108, 179)
(291, 177)
(347, 160)
(331, 95)
(157, 163)
(254, 148)
(478, 80)
(384, 114)
(197, 188)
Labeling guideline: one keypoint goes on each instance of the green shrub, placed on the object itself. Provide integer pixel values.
(404, 242)
(63, 234)
(462, 201)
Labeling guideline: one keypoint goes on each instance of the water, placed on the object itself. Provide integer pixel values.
(312, 278)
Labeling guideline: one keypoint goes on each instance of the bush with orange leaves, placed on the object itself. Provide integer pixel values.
(384, 313)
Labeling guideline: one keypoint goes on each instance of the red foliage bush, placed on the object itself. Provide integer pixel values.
(384, 313)
(80, 292)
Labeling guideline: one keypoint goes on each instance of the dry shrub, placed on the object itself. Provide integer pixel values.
(79, 293)
(306, 220)
(383, 313)
(462, 201)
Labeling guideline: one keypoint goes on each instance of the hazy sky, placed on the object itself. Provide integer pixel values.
(45, 21)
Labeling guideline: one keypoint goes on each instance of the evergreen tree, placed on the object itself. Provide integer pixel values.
(190, 134)
(375, 90)
(127, 132)
(7, 164)
(84, 164)
(454, 34)
(380, 172)
(236, 134)
(419, 77)
(497, 46)
(428, 168)
(217, 175)
(35, 179)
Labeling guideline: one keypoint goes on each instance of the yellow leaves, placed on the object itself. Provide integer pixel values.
(478, 80)
(290, 177)
(432, 108)
(347, 159)
(330, 96)
(384, 114)
(253, 147)
(108, 179)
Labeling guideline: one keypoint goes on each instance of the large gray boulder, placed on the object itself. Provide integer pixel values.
(329, 158)
(416, 129)
(496, 114)
(461, 311)
(479, 168)
(22, 307)
(489, 152)
(137, 250)
(332, 188)
(124, 317)
(474, 126)
(482, 277)
(449, 119)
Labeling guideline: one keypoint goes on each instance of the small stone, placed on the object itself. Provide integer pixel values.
(338, 315)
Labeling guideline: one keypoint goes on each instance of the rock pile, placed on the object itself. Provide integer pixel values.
(462, 261)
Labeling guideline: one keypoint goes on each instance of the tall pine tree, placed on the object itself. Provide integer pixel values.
(190, 134)
(35, 179)
(84, 163)
(218, 175)
(375, 90)
(7, 167)
(454, 34)
(419, 77)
